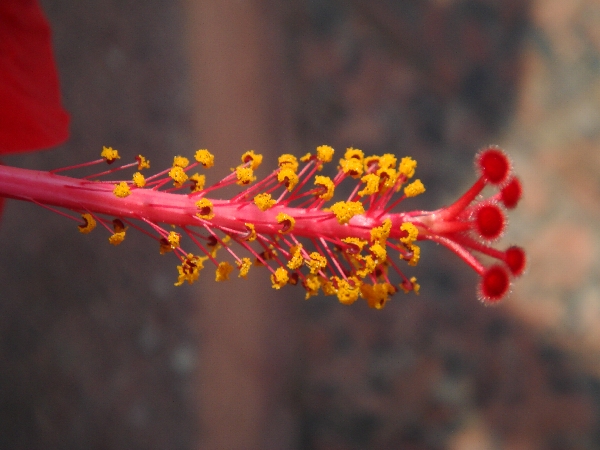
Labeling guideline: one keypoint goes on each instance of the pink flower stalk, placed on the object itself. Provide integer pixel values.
(289, 223)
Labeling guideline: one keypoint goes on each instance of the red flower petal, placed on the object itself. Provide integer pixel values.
(31, 114)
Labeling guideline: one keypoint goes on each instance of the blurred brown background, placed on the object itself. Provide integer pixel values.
(98, 349)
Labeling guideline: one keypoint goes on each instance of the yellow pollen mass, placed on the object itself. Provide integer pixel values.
(371, 181)
(413, 189)
(311, 283)
(407, 167)
(180, 161)
(254, 159)
(416, 255)
(296, 259)
(139, 180)
(325, 153)
(288, 161)
(411, 233)
(244, 266)
(198, 182)
(316, 263)
(189, 269)
(121, 190)
(264, 201)
(245, 175)
(354, 153)
(109, 154)
(388, 176)
(369, 268)
(377, 295)
(206, 209)
(348, 293)
(352, 167)
(387, 161)
(327, 187)
(174, 239)
(344, 211)
(143, 163)
(382, 232)
(223, 271)
(178, 175)
(204, 157)
(288, 178)
(287, 221)
(379, 251)
(117, 238)
(306, 157)
(356, 244)
(280, 278)
(251, 232)
(88, 225)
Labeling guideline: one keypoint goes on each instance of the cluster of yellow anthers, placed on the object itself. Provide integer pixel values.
(289, 221)
(284, 224)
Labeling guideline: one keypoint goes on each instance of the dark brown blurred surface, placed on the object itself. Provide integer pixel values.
(99, 350)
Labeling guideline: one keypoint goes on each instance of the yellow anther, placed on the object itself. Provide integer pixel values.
(328, 287)
(344, 211)
(371, 181)
(280, 278)
(204, 157)
(407, 167)
(139, 180)
(174, 239)
(245, 175)
(244, 266)
(287, 221)
(413, 189)
(143, 163)
(355, 154)
(88, 225)
(388, 176)
(416, 255)
(223, 271)
(206, 209)
(117, 237)
(109, 154)
(306, 157)
(325, 153)
(311, 283)
(251, 233)
(190, 269)
(371, 162)
(198, 182)
(178, 175)
(170, 243)
(254, 158)
(289, 161)
(288, 178)
(296, 259)
(412, 233)
(369, 268)
(121, 190)
(352, 167)
(355, 245)
(379, 251)
(316, 263)
(326, 185)
(410, 285)
(264, 201)
(181, 161)
(348, 290)
(381, 233)
(377, 295)
(387, 161)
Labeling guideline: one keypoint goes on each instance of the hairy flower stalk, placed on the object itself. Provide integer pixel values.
(289, 221)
